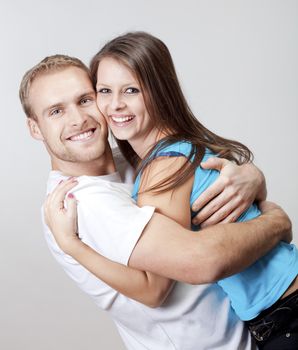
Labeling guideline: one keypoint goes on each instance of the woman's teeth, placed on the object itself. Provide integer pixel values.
(122, 119)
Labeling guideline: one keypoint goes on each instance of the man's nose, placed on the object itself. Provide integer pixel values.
(77, 116)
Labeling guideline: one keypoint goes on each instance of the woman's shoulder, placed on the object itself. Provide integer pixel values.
(179, 148)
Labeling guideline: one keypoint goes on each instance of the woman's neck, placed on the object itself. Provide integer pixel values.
(142, 145)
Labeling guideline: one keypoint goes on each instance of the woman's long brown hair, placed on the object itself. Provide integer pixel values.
(150, 61)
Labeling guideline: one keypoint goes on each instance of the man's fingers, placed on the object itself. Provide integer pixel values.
(235, 214)
(220, 214)
(214, 163)
(213, 206)
(225, 208)
(207, 196)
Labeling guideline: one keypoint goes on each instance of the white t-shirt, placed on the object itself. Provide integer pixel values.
(192, 318)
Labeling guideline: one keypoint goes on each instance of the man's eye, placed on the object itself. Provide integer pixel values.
(85, 100)
(55, 112)
(132, 90)
(103, 91)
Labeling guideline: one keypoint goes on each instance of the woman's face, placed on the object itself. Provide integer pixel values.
(121, 101)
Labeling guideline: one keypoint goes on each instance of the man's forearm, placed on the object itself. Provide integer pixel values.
(167, 249)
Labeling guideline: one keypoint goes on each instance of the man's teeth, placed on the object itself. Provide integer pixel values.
(122, 119)
(83, 136)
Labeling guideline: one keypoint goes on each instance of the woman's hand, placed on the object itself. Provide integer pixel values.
(236, 188)
(60, 212)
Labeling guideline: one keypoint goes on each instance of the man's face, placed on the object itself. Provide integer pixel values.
(68, 120)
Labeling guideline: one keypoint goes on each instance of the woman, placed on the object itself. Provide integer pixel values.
(140, 97)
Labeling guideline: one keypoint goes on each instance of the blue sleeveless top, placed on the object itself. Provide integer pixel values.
(263, 283)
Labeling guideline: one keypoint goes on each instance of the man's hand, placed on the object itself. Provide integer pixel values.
(60, 212)
(236, 188)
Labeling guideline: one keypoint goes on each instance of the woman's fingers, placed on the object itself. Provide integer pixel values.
(60, 211)
(56, 198)
(71, 204)
(54, 202)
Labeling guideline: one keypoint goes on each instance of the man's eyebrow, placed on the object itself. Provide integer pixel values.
(56, 105)
(60, 104)
(86, 94)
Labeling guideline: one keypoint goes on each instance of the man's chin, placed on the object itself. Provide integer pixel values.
(87, 157)
(85, 151)
(78, 157)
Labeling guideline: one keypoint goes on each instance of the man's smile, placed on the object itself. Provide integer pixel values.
(82, 136)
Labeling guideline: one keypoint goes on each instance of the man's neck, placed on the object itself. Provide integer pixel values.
(102, 166)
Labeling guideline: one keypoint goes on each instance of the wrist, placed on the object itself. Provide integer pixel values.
(70, 245)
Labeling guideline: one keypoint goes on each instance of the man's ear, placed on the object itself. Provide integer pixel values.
(34, 129)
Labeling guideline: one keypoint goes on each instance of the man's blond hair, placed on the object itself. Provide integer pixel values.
(48, 65)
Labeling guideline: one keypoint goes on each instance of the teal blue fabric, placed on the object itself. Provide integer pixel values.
(263, 283)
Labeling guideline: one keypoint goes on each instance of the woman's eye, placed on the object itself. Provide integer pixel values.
(103, 91)
(132, 90)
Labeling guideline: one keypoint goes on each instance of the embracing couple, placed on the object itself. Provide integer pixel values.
(183, 258)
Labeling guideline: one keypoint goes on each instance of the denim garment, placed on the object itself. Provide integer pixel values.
(277, 327)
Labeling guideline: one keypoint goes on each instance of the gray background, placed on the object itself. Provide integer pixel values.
(237, 61)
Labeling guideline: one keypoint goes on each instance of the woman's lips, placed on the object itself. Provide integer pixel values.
(121, 120)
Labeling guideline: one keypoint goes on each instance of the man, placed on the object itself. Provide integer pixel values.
(60, 103)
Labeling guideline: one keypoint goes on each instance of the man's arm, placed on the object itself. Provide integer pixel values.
(236, 188)
(168, 249)
(211, 254)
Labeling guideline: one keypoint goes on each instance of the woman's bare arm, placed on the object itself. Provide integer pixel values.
(144, 287)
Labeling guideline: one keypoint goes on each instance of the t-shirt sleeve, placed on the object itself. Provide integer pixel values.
(110, 221)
